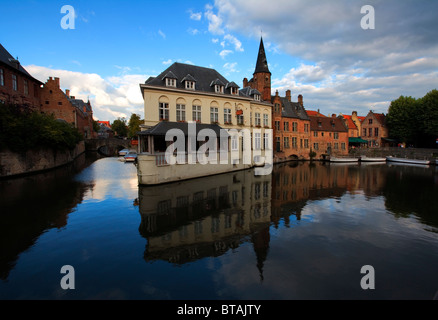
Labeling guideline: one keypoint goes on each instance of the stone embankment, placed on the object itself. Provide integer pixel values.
(411, 153)
(37, 160)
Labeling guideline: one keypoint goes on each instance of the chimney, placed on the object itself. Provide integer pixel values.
(354, 113)
(245, 82)
(333, 115)
(57, 82)
(288, 95)
(67, 93)
(300, 100)
(318, 112)
(276, 93)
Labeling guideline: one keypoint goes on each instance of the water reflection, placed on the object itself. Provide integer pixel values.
(206, 217)
(33, 204)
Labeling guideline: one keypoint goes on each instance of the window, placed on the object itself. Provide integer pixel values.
(163, 111)
(376, 132)
(196, 113)
(286, 142)
(227, 116)
(306, 127)
(294, 142)
(277, 125)
(370, 121)
(218, 88)
(214, 115)
(315, 146)
(257, 97)
(257, 120)
(266, 120)
(170, 82)
(294, 126)
(286, 126)
(343, 145)
(370, 132)
(2, 77)
(265, 141)
(277, 107)
(190, 85)
(14, 82)
(234, 143)
(319, 124)
(180, 112)
(336, 146)
(26, 87)
(240, 119)
(306, 143)
(257, 141)
(234, 91)
(364, 132)
(315, 133)
(336, 135)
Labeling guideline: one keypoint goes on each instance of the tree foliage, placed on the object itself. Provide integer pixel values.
(23, 129)
(414, 121)
(119, 127)
(134, 125)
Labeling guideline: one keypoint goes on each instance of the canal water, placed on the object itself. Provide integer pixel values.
(304, 232)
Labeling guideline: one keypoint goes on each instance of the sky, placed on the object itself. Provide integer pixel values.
(317, 48)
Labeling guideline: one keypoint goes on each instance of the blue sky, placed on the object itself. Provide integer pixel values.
(315, 48)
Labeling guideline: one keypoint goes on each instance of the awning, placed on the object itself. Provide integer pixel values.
(357, 140)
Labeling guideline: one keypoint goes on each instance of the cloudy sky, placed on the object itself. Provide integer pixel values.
(315, 48)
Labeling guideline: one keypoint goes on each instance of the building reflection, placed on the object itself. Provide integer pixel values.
(206, 217)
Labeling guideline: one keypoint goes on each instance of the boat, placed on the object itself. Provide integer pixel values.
(337, 159)
(372, 159)
(406, 160)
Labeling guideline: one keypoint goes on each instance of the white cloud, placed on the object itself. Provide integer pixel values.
(215, 40)
(193, 31)
(162, 34)
(111, 97)
(214, 21)
(224, 53)
(234, 41)
(167, 62)
(195, 15)
(230, 67)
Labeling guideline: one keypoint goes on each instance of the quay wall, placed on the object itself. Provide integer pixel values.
(411, 153)
(36, 160)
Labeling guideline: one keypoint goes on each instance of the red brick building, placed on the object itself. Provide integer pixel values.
(65, 107)
(17, 86)
(329, 136)
(374, 129)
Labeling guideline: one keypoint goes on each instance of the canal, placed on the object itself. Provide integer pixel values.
(304, 232)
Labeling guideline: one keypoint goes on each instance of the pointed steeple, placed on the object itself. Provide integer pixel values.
(262, 62)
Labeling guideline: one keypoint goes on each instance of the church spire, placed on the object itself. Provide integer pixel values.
(262, 62)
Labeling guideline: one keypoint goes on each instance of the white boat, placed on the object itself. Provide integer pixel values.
(372, 159)
(336, 159)
(406, 160)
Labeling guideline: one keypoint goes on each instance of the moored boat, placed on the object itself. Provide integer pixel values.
(372, 159)
(340, 159)
(406, 160)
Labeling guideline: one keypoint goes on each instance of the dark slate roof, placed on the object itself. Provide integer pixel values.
(80, 104)
(250, 92)
(163, 127)
(169, 75)
(293, 110)
(327, 124)
(262, 62)
(232, 84)
(204, 77)
(7, 59)
(217, 81)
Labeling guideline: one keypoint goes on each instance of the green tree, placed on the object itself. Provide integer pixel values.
(428, 118)
(402, 119)
(119, 127)
(96, 126)
(134, 125)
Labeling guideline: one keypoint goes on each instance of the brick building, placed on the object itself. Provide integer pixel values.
(17, 86)
(374, 129)
(329, 136)
(65, 107)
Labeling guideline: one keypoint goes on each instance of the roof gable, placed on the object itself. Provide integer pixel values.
(327, 124)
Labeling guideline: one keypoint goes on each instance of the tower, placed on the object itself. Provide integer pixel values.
(262, 75)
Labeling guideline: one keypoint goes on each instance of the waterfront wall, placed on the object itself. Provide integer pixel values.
(412, 153)
(36, 160)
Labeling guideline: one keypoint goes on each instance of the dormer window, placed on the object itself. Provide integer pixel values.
(234, 91)
(257, 97)
(189, 82)
(234, 88)
(170, 79)
(170, 82)
(218, 88)
(190, 85)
